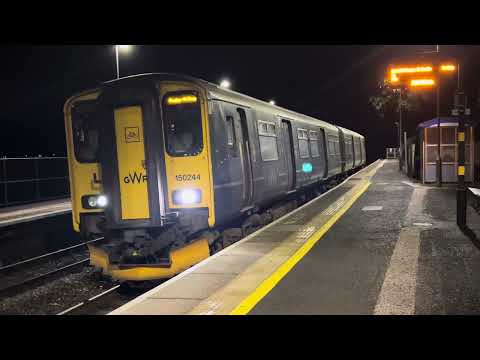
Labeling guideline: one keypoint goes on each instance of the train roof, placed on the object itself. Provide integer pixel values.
(350, 132)
(217, 92)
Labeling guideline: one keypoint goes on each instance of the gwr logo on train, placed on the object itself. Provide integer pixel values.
(135, 178)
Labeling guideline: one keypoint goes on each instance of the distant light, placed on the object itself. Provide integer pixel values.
(124, 48)
(225, 84)
(272, 102)
(422, 82)
(307, 167)
(447, 67)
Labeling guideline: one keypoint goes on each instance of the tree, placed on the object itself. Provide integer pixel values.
(387, 99)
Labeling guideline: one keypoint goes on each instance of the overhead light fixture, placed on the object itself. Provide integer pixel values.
(124, 48)
(272, 102)
(225, 84)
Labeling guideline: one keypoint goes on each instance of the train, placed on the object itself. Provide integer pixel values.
(166, 169)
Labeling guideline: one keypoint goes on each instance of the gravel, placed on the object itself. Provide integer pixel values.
(57, 295)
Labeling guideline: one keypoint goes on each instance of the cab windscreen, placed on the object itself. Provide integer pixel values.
(182, 123)
(85, 132)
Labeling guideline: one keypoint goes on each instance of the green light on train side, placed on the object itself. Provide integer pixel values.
(307, 167)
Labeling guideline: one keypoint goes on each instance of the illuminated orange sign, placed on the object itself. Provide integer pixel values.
(408, 70)
(422, 82)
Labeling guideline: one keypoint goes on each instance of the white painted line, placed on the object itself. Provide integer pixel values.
(475, 191)
(397, 296)
(384, 183)
(372, 208)
(409, 183)
(422, 224)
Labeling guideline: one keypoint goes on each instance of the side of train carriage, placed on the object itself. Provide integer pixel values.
(155, 159)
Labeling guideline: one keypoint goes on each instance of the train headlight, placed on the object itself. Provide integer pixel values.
(94, 201)
(102, 201)
(187, 196)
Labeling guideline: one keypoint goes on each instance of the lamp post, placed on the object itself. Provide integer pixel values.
(439, 157)
(124, 48)
(400, 128)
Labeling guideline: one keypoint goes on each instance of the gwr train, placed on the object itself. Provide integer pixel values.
(169, 168)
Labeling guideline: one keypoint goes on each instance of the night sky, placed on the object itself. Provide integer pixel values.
(332, 83)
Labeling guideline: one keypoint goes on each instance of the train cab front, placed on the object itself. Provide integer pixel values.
(151, 186)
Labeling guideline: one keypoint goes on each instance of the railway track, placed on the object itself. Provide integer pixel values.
(91, 305)
(108, 300)
(20, 276)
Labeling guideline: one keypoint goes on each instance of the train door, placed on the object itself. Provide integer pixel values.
(323, 150)
(341, 139)
(354, 154)
(287, 137)
(241, 130)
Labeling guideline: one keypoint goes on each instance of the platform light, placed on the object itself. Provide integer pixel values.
(124, 48)
(447, 67)
(272, 102)
(422, 82)
(225, 84)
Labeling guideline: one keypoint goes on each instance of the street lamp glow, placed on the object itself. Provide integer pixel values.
(124, 48)
(422, 82)
(225, 84)
(272, 102)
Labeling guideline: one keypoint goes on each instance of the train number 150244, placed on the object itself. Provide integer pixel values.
(187, 177)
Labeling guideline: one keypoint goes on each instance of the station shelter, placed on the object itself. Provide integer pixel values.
(427, 150)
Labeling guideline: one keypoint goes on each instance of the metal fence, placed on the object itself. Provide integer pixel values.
(30, 179)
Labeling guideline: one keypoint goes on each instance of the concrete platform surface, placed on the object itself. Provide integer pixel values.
(379, 243)
(24, 213)
(219, 284)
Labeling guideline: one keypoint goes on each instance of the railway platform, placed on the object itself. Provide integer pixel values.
(29, 212)
(376, 244)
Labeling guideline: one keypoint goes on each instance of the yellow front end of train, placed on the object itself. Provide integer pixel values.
(141, 175)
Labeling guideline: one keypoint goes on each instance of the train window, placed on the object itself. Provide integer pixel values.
(268, 141)
(302, 135)
(230, 131)
(266, 128)
(314, 150)
(85, 135)
(183, 124)
(333, 146)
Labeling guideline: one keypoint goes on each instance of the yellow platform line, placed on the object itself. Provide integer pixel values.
(268, 284)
